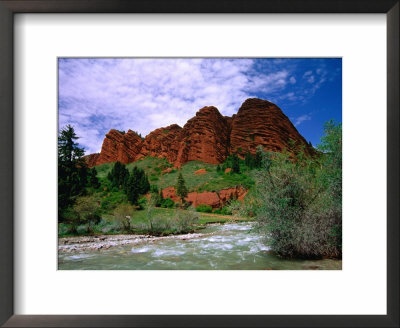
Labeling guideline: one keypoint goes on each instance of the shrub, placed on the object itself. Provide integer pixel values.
(184, 220)
(153, 177)
(86, 212)
(142, 203)
(123, 214)
(299, 200)
(167, 203)
(224, 211)
(204, 208)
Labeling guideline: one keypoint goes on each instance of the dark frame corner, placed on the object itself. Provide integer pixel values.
(10, 7)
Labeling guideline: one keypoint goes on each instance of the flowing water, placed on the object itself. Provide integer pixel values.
(224, 247)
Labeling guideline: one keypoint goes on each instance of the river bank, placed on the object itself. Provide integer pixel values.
(101, 242)
(230, 246)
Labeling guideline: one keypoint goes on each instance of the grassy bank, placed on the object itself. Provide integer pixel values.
(157, 221)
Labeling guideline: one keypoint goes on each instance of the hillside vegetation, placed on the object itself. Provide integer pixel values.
(211, 180)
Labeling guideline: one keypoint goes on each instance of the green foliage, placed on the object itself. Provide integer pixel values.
(249, 160)
(298, 203)
(123, 214)
(203, 208)
(156, 196)
(85, 211)
(110, 200)
(137, 185)
(181, 189)
(72, 170)
(223, 211)
(259, 156)
(119, 175)
(331, 146)
(142, 203)
(228, 180)
(93, 180)
(235, 164)
(167, 203)
(219, 168)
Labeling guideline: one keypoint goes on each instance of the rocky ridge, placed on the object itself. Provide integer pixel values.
(208, 137)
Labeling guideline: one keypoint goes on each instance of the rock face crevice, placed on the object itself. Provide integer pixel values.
(208, 137)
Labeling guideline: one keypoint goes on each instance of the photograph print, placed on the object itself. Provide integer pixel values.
(199, 163)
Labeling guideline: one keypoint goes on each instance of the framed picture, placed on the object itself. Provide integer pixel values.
(62, 68)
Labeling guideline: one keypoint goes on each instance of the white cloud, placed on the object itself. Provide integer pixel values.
(292, 80)
(301, 119)
(144, 94)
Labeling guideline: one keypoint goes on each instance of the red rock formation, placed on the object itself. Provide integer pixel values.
(200, 172)
(162, 143)
(91, 160)
(205, 138)
(169, 192)
(208, 137)
(260, 122)
(211, 198)
(122, 147)
(232, 193)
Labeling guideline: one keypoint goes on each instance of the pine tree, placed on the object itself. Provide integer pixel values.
(72, 169)
(119, 175)
(93, 180)
(249, 160)
(235, 164)
(181, 189)
(258, 158)
(137, 184)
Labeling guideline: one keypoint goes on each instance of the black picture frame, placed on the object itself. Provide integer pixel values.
(10, 7)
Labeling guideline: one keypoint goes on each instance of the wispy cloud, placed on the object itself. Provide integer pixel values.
(301, 119)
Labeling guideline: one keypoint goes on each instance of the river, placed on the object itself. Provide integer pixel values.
(220, 247)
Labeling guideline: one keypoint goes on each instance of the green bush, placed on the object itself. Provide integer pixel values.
(123, 214)
(142, 203)
(299, 200)
(224, 211)
(85, 212)
(167, 203)
(204, 208)
(153, 177)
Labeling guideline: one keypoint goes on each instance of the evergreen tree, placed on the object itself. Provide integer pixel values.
(259, 157)
(118, 175)
(181, 189)
(218, 168)
(93, 180)
(72, 169)
(249, 160)
(137, 184)
(235, 164)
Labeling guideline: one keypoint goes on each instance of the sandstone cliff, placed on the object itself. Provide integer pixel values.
(208, 137)
(121, 147)
(162, 143)
(260, 122)
(204, 138)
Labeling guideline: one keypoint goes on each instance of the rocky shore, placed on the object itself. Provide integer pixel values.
(92, 243)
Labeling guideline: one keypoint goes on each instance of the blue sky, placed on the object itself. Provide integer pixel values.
(98, 94)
